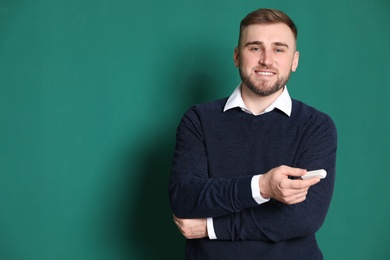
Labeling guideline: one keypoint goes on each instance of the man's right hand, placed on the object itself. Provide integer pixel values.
(192, 228)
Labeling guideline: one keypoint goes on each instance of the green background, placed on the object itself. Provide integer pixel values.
(91, 93)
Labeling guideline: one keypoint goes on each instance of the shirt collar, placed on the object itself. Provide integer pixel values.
(283, 102)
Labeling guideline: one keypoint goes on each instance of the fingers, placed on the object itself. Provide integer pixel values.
(277, 185)
(191, 228)
(177, 221)
(290, 196)
(295, 191)
(299, 184)
(179, 225)
(290, 171)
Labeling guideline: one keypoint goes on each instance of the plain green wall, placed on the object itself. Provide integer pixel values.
(91, 92)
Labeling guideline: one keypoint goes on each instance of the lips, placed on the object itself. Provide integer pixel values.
(265, 73)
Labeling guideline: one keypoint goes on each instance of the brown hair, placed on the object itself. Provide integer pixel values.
(267, 16)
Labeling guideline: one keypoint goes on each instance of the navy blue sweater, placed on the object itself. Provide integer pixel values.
(216, 155)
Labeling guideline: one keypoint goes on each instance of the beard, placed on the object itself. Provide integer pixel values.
(262, 88)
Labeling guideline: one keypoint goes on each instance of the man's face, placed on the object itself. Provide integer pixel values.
(266, 55)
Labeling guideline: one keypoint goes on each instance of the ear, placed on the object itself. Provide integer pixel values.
(294, 65)
(236, 57)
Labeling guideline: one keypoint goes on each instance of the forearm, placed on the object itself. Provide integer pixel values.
(192, 197)
(276, 221)
(190, 227)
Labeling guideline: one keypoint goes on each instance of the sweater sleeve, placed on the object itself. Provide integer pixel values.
(192, 193)
(275, 221)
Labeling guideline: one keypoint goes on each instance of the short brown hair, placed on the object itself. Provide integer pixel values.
(267, 16)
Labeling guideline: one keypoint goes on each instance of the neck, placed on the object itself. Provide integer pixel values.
(256, 103)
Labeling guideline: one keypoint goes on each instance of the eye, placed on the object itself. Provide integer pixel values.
(255, 49)
(279, 50)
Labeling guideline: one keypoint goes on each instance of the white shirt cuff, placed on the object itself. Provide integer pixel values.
(210, 229)
(256, 190)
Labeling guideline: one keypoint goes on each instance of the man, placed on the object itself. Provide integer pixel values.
(235, 188)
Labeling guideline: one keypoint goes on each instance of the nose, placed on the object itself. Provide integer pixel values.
(266, 58)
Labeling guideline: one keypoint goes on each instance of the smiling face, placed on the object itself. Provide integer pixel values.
(266, 56)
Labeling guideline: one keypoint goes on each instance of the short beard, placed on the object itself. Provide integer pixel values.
(261, 89)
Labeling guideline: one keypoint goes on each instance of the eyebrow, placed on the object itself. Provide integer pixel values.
(280, 44)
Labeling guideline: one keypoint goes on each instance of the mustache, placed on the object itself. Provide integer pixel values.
(264, 67)
(260, 68)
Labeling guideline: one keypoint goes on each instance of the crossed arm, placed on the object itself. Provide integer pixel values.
(274, 184)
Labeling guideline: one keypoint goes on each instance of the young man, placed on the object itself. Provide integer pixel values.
(235, 188)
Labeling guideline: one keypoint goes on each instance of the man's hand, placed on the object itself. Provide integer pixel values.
(192, 228)
(276, 184)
